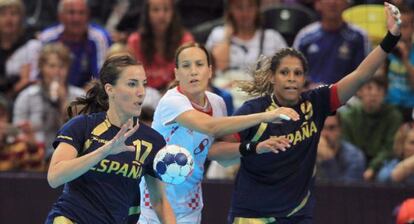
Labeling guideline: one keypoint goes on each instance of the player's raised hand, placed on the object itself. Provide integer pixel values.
(273, 144)
(393, 18)
(117, 144)
(282, 113)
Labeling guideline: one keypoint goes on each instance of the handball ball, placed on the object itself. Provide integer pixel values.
(173, 164)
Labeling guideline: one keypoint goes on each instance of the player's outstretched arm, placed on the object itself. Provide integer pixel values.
(220, 126)
(226, 153)
(159, 200)
(65, 166)
(348, 85)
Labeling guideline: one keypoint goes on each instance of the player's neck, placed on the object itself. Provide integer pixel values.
(115, 119)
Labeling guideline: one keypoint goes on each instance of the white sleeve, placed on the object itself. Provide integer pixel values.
(170, 107)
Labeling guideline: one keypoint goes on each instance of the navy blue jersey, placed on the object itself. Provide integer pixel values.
(109, 190)
(279, 185)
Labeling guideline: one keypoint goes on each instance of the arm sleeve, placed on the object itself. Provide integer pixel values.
(73, 133)
(171, 107)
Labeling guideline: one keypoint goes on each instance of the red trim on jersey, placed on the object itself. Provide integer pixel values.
(209, 110)
(334, 98)
(237, 136)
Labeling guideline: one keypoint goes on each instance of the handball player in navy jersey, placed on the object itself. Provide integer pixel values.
(102, 153)
(277, 187)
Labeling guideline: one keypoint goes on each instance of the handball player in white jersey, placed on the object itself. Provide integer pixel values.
(190, 116)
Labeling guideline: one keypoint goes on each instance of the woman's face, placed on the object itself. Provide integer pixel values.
(193, 72)
(244, 13)
(409, 144)
(160, 14)
(54, 69)
(372, 97)
(288, 80)
(10, 20)
(127, 95)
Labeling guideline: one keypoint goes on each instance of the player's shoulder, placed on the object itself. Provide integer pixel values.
(86, 120)
(257, 104)
(150, 132)
(213, 96)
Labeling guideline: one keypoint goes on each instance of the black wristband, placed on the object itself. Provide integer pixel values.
(389, 42)
(248, 148)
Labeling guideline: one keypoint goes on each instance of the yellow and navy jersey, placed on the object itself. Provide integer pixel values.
(109, 191)
(279, 185)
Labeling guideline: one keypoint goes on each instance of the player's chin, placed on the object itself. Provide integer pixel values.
(136, 112)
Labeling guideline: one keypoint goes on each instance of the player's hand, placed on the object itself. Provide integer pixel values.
(273, 144)
(280, 114)
(393, 18)
(117, 144)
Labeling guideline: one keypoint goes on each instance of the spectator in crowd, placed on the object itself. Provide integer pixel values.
(239, 43)
(18, 148)
(337, 159)
(333, 47)
(43, 105)
(155, 42)
(88, 42)
(401, 67)
(401, 167)
(371, 124)
(16, 64)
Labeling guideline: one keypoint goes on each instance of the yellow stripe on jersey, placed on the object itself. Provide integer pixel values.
(300, 206)
(65, 137)
(101, 128)
(241, 220)
(97, 131)
(263, 126)
(62, 220)
(134, 210)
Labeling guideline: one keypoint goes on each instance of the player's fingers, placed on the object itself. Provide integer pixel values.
(124, 129)
(130, 148)
(132, 130)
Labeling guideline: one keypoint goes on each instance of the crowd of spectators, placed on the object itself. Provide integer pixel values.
(47, 60)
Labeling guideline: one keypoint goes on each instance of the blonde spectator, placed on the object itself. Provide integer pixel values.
(16, 65)
(401, 168)
(42, 105)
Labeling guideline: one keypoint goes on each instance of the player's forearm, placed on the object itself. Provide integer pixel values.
(229, 125)
(67, 170)
(164, 211)
(159, 200)
(348, 86)
(220, 151)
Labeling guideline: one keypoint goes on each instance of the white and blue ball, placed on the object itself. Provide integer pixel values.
(173, 164)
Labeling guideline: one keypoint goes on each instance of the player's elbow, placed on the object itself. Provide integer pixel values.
(52, 180)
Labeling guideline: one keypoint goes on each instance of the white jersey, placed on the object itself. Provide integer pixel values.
(186, 197)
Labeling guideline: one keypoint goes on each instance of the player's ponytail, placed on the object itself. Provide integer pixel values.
(96, 100)
(260, 85)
